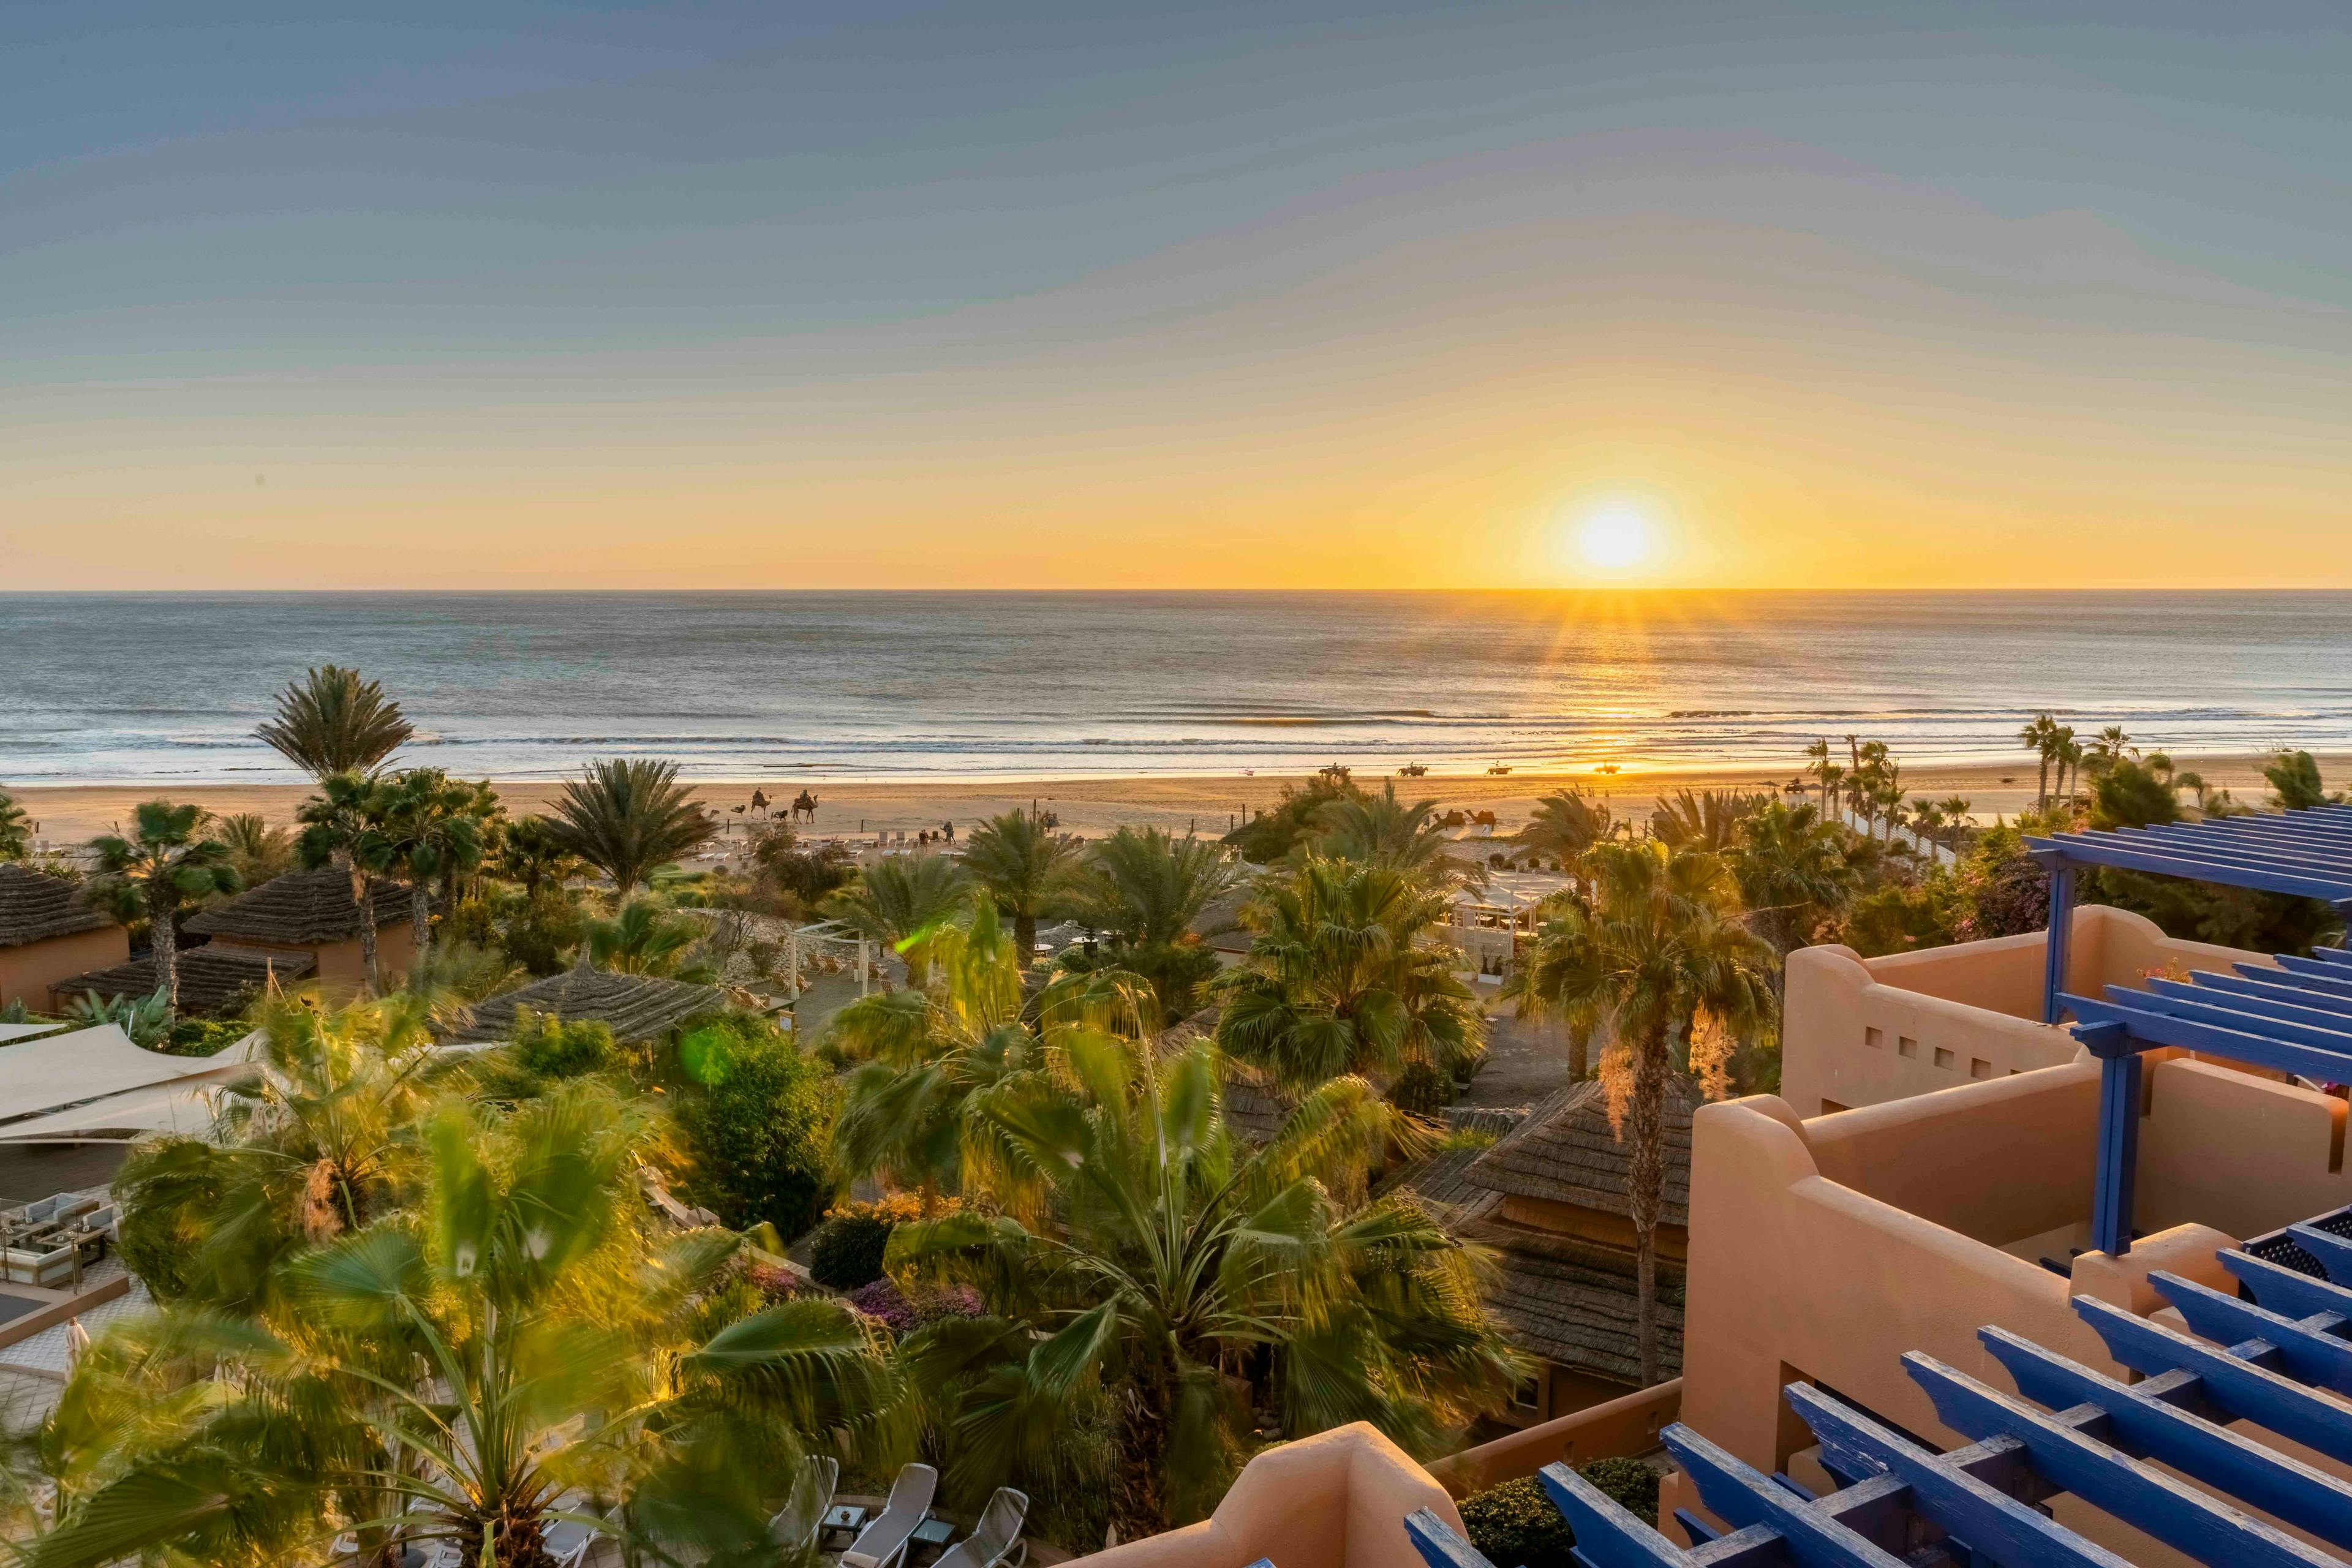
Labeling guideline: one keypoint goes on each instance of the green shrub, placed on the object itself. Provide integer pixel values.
(847, 1251)
(205, 1036)
(548, 1048)
(1629, 1483)
(1516, 1526)
(545, 929)
(758, 1121)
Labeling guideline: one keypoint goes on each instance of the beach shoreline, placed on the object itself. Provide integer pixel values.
(70, 814)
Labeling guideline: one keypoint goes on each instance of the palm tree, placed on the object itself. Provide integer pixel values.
(331, 722)
(1172, 1265)
(625, 816)
(1022, 866)
(157, 871)
(532, 853)
(1709, 821)
(2067, 752)
(1661, 951)
(2110, 747)
(2040, 736)
(1834, 792)
(345, 825)
(1381, 831)
(1955, 814)
(1148, 890)
(516, 1347)
(644, 939)
(1341, 980)
(431, 830)
(1792, 872)
(256, 851)
(895, 902)
(2295, 781)
(1817, 763)
(928, 1057)
(1564, 825)
(15, 829)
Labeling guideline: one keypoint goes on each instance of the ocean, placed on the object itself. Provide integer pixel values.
(106, 688)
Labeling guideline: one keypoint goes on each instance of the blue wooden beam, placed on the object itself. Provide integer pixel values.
(2191, 1522)
(2146, 1426)
(2301, 980)
(2334, 1252)
(2277, 987)
(2285, 1289)
(2094, 849)
(2114, 1178)
(2150, 1029)
(2223, 1010)
(1945, 1493)
(2253, 1006)
(2059, 939)
(2282, 852)
(1739, 1497)
(2232, 1381)
(2306, 1345)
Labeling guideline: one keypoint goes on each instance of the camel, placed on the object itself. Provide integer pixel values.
(804, 802)
(758, 803)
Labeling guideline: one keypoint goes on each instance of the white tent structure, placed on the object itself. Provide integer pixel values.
(10, 1032)
(95, 1083)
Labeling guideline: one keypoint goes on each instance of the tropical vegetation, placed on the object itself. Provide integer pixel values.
(158, 869)
(626, 816)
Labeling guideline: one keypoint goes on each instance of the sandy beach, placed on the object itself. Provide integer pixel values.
(71, 814)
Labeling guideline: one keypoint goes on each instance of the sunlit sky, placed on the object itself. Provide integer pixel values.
(900, 294)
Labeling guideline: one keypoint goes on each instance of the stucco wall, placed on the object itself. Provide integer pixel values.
(341, 970)
(1861, 1032)
(29, 971)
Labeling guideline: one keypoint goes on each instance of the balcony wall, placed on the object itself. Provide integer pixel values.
(1864, 1031)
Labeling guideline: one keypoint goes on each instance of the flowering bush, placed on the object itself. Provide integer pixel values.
(881, 1299)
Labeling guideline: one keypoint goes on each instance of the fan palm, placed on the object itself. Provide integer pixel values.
(1660, 949)
(532, 853)
(347, 825)
(1181, 1282)
(157, 870)
(644, 938)
(927, 1056)
(1022, 866)
(1148, 890)
(1342, 979)
(626, 816)
(15, 829)
(472, 1369)
(1564, 825)
(1709, 821)
(332, 721)
(431, 829)
(1381, 831)
(1792, 872)
(895, 902)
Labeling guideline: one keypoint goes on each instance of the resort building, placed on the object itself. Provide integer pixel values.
(311, 915)
(635, 1007)
(215, 978)
(48, 932)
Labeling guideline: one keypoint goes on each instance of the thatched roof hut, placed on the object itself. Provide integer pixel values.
(35, 906)
(212, 979)
(301, 909)
(1566, 1152)
(634, 1006)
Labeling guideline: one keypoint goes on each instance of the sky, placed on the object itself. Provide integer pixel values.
(1104, 295)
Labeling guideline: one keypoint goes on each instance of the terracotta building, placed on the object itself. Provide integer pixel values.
(312, 913)
(47, 933)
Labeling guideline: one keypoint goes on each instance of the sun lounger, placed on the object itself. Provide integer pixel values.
(796, 1525)
(995, 1541)
(883, 1543)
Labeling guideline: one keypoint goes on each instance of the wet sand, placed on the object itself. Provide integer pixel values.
(73, 813)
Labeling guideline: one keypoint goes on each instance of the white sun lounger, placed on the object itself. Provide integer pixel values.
(794, 1528)
(996, 1540)
(883, 1543)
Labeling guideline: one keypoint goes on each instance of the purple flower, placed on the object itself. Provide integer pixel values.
(884, 1299)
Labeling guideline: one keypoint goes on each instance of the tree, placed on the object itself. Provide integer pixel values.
(1148, 888)
(518, 1336)
(626, 816)
(1661, 952)
(1381, 831)
(345, 826)
(1709, 821)
(2295, 779)
(432, 830)
(1792, 872)
(895, 902)
(332, 721)
(157, 871)
(644, 938)
(532, 853)
(757, 1124)
(2040, 736)
(1022, 866)
(15, 829)
(1564, 825)
(1177, 1282)
(256, 851)
(2067, 753)
(1269, 836)
(2110, 746)
(1341, 979)
(927, 1056)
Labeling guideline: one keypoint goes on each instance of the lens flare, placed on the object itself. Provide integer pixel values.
(1614, 541)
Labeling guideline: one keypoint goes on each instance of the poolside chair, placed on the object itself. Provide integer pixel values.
(883, 1543)
(794, 1529)
(995, 1541)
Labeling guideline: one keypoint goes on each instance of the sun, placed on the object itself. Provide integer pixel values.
(1615, 540)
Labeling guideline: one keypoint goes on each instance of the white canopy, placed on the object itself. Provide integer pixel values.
(99, 1077)
(26, 1031)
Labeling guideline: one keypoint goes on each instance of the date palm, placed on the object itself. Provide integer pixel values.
(258, 851)
(626, 816)
(532, 852)
(1342, 979)
(644, 939)
(333, 721)
(347, 825)
(895, 901)
(1381, 831)
(157, 870)
(15, 829)
(1022, 866)
(432, 830)
(1792, 872)
(515, 1348)
(1564, 825)
(1177, 1282)
(1147, 888)
(1661, 948)
(1709, 821)
(2040, 736)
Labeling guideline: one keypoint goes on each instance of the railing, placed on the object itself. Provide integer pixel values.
(1619, 1430)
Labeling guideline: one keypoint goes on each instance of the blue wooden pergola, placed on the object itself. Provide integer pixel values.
(2296, 1017)
(2067, 1430)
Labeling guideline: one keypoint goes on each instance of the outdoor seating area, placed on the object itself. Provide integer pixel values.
(49, 1243)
